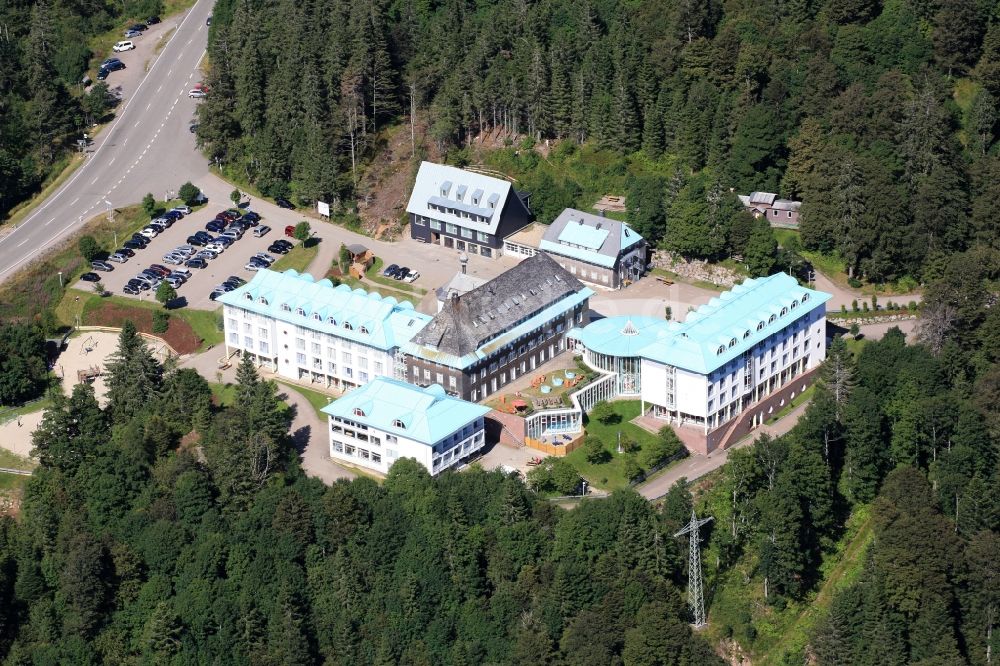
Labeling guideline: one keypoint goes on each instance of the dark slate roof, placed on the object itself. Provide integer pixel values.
(467, 322)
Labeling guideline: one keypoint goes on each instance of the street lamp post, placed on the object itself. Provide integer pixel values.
(60, 280)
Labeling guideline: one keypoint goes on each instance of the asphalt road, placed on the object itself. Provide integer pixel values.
(147, 148)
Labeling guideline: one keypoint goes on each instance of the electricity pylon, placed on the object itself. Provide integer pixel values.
(696, 592)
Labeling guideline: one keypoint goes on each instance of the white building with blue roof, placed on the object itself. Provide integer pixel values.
(387, 419)
(726, 356)
(305, 329)
(597, 250)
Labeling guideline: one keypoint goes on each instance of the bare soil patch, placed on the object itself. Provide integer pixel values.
(179, 334)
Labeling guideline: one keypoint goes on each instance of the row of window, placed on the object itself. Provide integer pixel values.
(452, 229)
(358, 452)
(760, 325)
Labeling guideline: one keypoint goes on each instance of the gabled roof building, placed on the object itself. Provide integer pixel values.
(387, 419)
(596, 249)
(489, 336)
(464, 210)
(306, 329)
(778, 212)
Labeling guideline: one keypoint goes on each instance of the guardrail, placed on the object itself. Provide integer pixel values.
(148, 336)
(22, 472)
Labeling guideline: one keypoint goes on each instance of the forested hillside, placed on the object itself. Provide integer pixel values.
(131, 550)
(880, 116)
(909, 435)
(43, 58)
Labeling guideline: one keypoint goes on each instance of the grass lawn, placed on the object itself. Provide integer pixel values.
(316, 399)
(7, 413)
(223, 394)
(204, 323)
(400, 296)
(299, 258)
(13, 481)
(795, 402)
(609, 476)
(13, 461)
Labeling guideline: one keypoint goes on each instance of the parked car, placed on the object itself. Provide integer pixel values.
(114, 65)
(215, 226)
(284, 203)
(162, 270)
(215, 294)
(290, 231)
(261, 230)
(227, 215)
(102, 73)
(109, 61)
(390, 270)
(173, 282)
(101, 266)
(152, 20)
(139, 27)
(128, 289)
(255, 265)
(118, 258)
(194, 240)
(174, 260)
(186, 250)
(173, 215)
(208, 21)
(203, 235)
(121, 47)
(401, 273)
(90, 277)
(263, 256)
(139, 238)
(181, 272)
(237, 279)
(277, 249)
(206, 255)
(224, 241)
(125, 251)
(139, 282)
(132, 34)
(251, 215)
(150, 232)
(183, 210)
(196, 262)
(232, 233)
(282, 241)
(197, 94)
(133, 245)
(411, 276)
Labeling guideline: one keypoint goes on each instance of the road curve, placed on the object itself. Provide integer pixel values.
(147, 148)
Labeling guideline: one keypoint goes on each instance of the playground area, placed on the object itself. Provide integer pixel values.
(544, 388)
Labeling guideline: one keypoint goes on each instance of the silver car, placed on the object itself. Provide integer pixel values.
(118, 258)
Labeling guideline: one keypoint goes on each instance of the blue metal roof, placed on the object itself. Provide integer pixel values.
(584, 235)
(426, 415)
(298, 299)
(580, 253)
(715, 333)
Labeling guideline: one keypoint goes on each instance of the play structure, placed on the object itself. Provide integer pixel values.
(88, 374)
(88, 345)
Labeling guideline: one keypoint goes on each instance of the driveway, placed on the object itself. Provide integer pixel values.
(197, 289)
(842, 296)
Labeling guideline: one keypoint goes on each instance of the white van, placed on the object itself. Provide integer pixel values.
(123, 46)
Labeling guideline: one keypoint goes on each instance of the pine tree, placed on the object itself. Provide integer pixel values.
(761, 249)
(133, 375)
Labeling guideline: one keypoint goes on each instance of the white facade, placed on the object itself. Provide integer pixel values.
(690, 398)
(358, 443)
(298, 352)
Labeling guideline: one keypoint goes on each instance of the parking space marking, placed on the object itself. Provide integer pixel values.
(149, 105)
(54, 219)
(112, 160)
(160, 88)
(137, 123)
(73, 202)
(96, 178)
(23, 242)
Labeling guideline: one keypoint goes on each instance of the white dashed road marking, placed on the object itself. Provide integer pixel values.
(74, 201)
(50, 221)
(22, 242)
(96, 178)
(112, 160)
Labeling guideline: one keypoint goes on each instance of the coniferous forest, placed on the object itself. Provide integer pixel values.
(880, 116)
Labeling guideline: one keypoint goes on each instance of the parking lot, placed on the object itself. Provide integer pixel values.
(196, 290)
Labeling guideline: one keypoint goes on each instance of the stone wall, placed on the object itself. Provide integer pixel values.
(695, 269)
(873, 319)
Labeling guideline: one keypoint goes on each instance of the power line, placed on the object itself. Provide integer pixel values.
(696, 592)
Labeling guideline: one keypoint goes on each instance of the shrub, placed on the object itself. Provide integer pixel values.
(594, 451)
(666, 445)
(864, 306)
(161, 321)
(912, 306)
(631, 468)
(854, 305)
(165, 293)
(302, 231)
(149, 204)
(189, 194)
(89, 248)
(854, 283)
(344, 259)
(855, 330)
(235, 197)
(554, 475)
(874, 302)
(843, 309)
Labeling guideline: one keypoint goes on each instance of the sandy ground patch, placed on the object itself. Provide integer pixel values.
(15, 435)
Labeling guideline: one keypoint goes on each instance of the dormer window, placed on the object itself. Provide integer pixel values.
(285, 307)
(359, 412)
(317, 316)
(732, 343)
(445, 188)
(331, 321)
(771, 319)
(760, 326)
(262, 300)
(721, 349)
(784, 311)
(460, 192)
(746, 334)
(300, 312)
(795, 304)
(248, 296)
(805, 297)
(364, 330)
(397, 423)
(348, 326)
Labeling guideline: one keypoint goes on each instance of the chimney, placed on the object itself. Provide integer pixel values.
(463, 259)
(454, 300)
